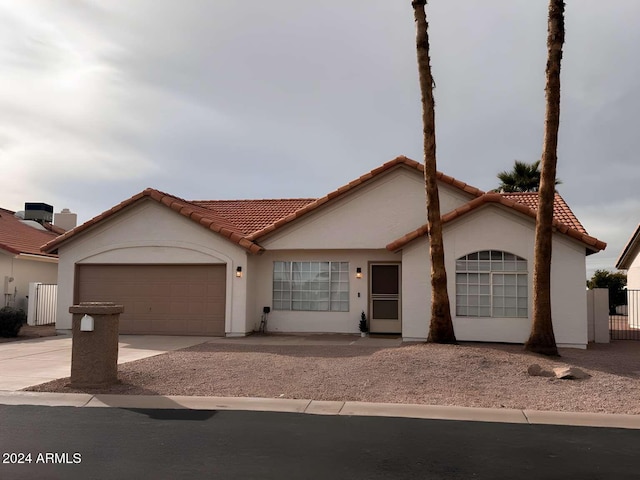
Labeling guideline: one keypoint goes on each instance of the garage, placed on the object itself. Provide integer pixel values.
(159, 299)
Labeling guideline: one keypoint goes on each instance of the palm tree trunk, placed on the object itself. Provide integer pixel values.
(542, 339)
(440, 326)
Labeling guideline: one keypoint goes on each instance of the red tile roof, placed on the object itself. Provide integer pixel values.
(591, 242)
(250, 216)
(17, 237)
(53, 228)
(203, 216)
(561, 210)
(245, 221)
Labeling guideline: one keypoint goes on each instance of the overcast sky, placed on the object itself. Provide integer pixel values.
(228, 99)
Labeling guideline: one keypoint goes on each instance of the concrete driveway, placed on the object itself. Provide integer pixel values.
(31, 362)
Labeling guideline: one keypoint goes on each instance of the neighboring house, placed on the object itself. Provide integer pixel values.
(629, 260)
(21, 260)
(209, 267)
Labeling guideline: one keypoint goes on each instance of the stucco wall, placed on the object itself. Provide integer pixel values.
(416, 295)
(633, 273)
(25, 270)
(450, 197)
(296, 321)
(369, 218)
(152, 233)
(494, 228)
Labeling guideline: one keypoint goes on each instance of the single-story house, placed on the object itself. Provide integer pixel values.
(629, 260)
(21, 260)
(210, 267)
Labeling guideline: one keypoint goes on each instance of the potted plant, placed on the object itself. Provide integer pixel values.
(363, 324)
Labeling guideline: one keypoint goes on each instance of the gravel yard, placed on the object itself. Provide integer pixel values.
(469, 374)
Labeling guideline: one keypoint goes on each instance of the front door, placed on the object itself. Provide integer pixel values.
(384, 298)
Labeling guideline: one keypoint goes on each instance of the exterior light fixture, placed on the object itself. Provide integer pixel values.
(239, 272)
(358, 272)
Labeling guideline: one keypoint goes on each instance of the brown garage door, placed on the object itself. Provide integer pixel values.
(159, 299)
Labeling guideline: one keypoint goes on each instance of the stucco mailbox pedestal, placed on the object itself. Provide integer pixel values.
(94, 355)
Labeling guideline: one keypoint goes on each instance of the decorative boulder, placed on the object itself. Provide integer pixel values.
(536, 370)
(570, 373)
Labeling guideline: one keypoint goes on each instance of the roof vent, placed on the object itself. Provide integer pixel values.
(39, 212)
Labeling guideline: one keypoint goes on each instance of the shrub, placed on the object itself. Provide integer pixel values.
(363, 323)
(11, 321)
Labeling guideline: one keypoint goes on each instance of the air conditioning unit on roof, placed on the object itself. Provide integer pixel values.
(39, 212)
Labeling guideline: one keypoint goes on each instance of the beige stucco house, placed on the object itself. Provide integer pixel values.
(209, 267)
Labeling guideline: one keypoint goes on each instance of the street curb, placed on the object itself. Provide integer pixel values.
(322, 407)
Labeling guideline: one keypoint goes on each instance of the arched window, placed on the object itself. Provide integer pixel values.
(491, 283)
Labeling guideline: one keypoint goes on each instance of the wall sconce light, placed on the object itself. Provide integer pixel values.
(358, 272)
(239, 272)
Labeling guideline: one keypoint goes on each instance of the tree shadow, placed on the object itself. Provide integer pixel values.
(127, 396)
(178, 413)
(619, 357)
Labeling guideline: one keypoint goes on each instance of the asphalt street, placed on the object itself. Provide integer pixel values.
(113, 443)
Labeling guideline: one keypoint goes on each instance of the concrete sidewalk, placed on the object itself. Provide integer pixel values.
(317, 407)
(31, 362)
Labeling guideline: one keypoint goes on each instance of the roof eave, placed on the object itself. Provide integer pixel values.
(38, 258)
(8, 249)
(624, 261)
(57, 242)
(179, 206)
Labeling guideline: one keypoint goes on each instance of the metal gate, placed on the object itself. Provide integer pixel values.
(45, 304)
(625, 323)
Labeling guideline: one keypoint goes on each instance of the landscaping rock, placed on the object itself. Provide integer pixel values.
(536, 370)
(570, 373)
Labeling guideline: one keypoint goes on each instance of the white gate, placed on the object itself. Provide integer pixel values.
(43, 301)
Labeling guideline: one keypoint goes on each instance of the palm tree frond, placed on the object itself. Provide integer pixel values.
(523, 177)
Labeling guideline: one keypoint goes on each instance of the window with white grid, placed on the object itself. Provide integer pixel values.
(311, 286)
(491, 283)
